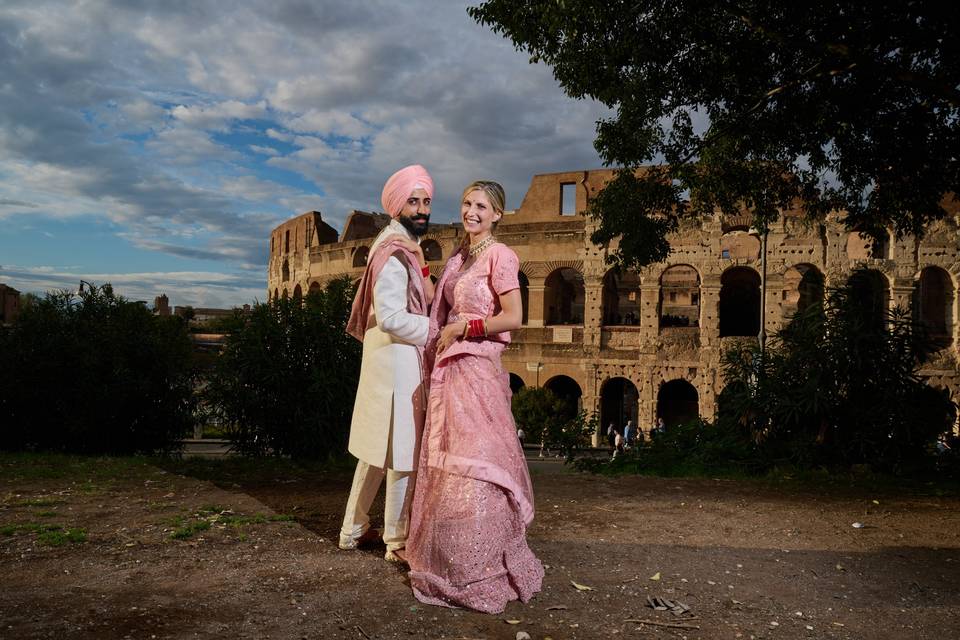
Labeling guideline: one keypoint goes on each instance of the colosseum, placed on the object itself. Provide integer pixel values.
(645, 345)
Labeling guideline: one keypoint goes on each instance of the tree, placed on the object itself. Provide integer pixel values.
(545, 418)
(95, 373)
(839, 386)
(849, 106)
(287, 378)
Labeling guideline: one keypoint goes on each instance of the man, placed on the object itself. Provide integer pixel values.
(390, 316)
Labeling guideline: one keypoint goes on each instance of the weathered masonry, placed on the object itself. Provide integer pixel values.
(648, 344)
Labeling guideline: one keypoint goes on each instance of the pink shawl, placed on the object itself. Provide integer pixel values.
(416, 298)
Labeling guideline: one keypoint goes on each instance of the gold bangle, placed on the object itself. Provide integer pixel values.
(466, 329)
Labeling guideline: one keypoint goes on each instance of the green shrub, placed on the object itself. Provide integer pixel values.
(94, 373)
(546, 419)
(838, 386)
(286, 381)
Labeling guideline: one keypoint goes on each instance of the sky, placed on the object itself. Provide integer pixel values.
(154, 145)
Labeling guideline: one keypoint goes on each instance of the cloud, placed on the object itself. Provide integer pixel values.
(195, 130)
(197, 288)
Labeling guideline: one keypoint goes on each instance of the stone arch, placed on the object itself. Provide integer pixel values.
(678, 402)
(739, 302)
(567, 389)
(563, 297)
(315, 287)
(524, 295)
(432, 251)
(679, 303)
(286, 294)
(803, 285)
(285, 271)
(297, 293)
(360, 255)
(619, 402)
(620, 298)
(276, 294)
(870, 291)
(516, 383)
(933, 301)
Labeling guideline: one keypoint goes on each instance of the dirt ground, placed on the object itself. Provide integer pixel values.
(238, 554)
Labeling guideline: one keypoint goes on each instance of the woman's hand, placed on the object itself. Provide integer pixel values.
(413, 248)
(449, 334)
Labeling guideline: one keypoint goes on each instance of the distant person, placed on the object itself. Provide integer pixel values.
(628, 430)
(521, 435)
(661, 427)
(617, 444)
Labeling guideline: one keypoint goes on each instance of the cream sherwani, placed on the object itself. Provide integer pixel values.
(385, 430)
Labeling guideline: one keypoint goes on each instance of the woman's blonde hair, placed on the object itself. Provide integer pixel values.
(494, 192)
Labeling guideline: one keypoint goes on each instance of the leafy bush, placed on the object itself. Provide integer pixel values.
(692, 448)
(839, 386)
(94, 374)
(286, 381)
(545, 418)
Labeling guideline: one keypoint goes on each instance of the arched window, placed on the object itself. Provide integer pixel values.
(680, 297)
(432, 250)
(286, 271)
(619, 401)
(563, 297)
(314, 288)
(297, 293)
(739, 302)
(567, 389)
(360, 256)
(516, 383)
(678, 402)
(621, 298)
(276, 294)
(933, 305)
(802, 287)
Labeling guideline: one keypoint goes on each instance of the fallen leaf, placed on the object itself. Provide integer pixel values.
(655, 576)
(557, 607)
(581, 587)
(512, 621)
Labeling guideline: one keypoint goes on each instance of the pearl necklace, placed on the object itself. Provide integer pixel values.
(480, 246)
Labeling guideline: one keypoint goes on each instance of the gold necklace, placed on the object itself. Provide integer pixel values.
(480, 246)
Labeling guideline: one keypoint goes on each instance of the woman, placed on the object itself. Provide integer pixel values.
(473, 499)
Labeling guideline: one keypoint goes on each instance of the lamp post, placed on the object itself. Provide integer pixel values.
(762, 233)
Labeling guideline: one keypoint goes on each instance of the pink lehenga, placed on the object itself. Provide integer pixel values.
(473, 499)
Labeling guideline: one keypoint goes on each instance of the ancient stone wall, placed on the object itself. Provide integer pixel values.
(639, 346)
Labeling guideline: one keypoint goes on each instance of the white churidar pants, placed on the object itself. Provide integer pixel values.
(396, 510)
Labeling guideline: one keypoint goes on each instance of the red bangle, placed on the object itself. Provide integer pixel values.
(477, 329)
(425, 270)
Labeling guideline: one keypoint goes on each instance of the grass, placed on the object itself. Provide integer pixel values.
(206, 517)
(52, 535)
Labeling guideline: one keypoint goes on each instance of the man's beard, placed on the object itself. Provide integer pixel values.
(417, 225)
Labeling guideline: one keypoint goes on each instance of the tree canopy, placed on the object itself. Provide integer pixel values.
(836, 106)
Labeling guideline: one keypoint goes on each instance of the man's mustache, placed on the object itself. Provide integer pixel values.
(420, 218)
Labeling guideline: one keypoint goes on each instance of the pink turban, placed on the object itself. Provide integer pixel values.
(401, 184)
